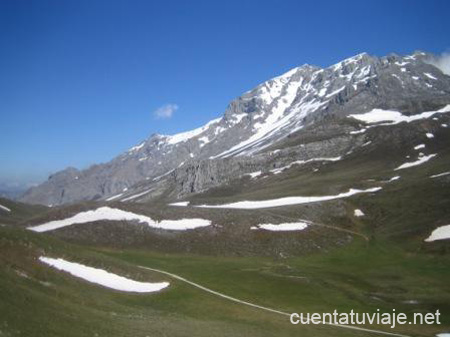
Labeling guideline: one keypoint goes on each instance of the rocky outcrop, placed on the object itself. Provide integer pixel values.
(198, 176)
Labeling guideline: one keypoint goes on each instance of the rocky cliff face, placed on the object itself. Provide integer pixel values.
(202, 175)
(305, 98)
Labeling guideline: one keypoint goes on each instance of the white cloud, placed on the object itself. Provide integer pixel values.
(442, 62)
(165, 111)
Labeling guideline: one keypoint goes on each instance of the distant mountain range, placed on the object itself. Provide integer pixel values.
(12, 191)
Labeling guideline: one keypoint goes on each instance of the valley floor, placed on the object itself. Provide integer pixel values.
(37, 300)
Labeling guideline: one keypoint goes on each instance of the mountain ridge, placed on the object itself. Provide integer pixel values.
(263, 116)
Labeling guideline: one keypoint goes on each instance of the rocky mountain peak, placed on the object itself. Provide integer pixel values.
(261, 117)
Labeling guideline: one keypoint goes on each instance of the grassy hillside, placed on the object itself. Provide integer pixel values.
(19, 211)
(342, 262)
(37, 300)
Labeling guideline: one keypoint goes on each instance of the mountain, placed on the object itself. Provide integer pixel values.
(298, 116)
(329, 184)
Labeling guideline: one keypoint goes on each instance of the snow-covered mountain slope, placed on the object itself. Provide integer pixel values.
(259, 119)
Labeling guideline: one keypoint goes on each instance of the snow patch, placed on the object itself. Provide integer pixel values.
(185, 136)
(419, 161)
(440, 175)
(219, 130)
(238, 118)
(420, 146)
(331, 94)
(114, 214)
(430, 135)
(203, 141)
(401, 64)
(398, 78)
(440, 233)
(254, 174)
(102, 277)
(357, 132)
(163, 175)
(114, 197)
(180, 203)
(287, 201)
(300, 162)
(358, 213)
(283, 227)
(5, 208)
(137, 195)
(430, 76)
(394, 117)
(137, 147)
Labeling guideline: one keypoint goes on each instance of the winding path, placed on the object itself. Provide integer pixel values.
(352, 327)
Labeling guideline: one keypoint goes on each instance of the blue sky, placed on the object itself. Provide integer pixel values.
(81, 81)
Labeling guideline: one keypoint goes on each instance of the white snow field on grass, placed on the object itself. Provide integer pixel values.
(5, 208)
(420, 161)
(102, 277)
(115, 214)
(395, 117)
(440, 233)
(253, 174)
(283, 227)
(180, 203)
(443, 174)
(287, 201)
(358, 213)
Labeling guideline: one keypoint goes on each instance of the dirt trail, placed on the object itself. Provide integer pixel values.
(266, 308)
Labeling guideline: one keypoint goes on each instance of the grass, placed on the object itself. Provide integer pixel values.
(317, 270)
(361, 277)
(37, 300)
(19, 211)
